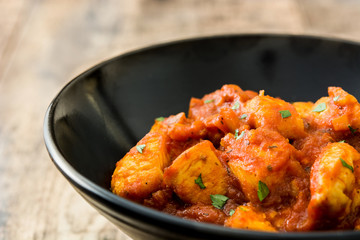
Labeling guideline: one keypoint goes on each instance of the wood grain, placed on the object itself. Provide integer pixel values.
(44, 43)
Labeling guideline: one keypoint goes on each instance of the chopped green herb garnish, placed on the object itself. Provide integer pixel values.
(160, 119)
(262, 191)
(243, 116)
(273, 146)
(243, 209)
(236, 133)
(336, 98)
(218, 200)
(232, 211)
(342, 141)
(140, 148)
(236, 105)
(199, 182)
(209, 101)
(240, 136)
(319, 108)
(285, 113)
(352, 130)
(346, 165)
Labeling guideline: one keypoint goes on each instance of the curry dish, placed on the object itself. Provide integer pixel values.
(251, 161)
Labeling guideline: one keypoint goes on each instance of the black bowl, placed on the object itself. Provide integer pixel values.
(102, 113)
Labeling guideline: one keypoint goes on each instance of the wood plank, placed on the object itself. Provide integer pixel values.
(14, 14)
(333, 18)
(39, 203)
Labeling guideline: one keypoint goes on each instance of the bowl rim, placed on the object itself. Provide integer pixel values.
(105, 196)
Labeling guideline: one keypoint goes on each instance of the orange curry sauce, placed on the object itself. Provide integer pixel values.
(251, 161)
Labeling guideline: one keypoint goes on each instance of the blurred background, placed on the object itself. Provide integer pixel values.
(45, 43)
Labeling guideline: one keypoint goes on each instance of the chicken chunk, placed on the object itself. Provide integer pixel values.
(276, 114)
(226, 121)
(245, 217)
(140, 171)
(260, 155)
(303, 108)
(196, 174)
(229, 96)
(181, 128)
(340, 111)
(332, 184)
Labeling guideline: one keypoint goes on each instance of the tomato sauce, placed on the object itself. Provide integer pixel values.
(248, 160)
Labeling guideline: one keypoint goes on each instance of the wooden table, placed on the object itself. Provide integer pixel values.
(43, 44)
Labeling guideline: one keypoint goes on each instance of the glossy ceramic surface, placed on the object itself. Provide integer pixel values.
(102, 113)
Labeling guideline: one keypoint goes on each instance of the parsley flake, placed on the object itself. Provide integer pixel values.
(232, 211)
(236, 105)
(319, 108)
(263, 191)
(237, 136)
(243, 116)
(352, 130)
(209, 101)
(218, 200)
(336, 98)
(243, 209)
(285, 113)
(241, 135)
(342, 141)
(199, 182)
(236, 133)
(345, 164)
(160, 119)
(273, 146)
(140, 148)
